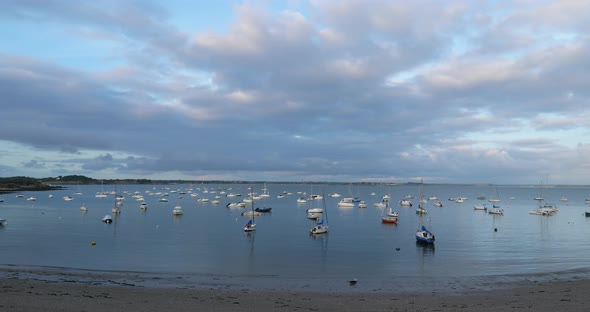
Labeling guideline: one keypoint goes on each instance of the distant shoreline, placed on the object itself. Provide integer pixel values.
(19, 184)
(34, 188)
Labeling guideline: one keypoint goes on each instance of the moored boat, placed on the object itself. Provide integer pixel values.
(313, 215)
(251, 213)
(405, 203)
(480, 207)
(107, 219)
(177, 211)
(346, 202)
(251, 226)
(496, 210)
(322, 226)
(388, 215)
(424, 236)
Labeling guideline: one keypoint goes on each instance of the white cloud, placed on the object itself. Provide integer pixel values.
(455, 91)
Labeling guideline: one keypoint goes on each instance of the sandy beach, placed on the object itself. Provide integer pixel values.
(36, 293)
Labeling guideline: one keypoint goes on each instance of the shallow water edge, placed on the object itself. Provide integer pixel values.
(401, 285)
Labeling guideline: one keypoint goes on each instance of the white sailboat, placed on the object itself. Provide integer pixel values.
(177, 211)
(322, 226)
(265, 193)
(117, 208)
(102, 193)
(421, 210)
(388, 215)
(495, 199)
(251, 226)
(423, 235)
(118, 202)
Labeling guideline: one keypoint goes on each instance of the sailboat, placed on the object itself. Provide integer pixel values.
(421, 210)
(495, 199)
(322, 226)
(388, 216)
(496, 209)
(177, 211)
(423, 235)
(251, 226)
(264, 191)
(102, 193)
(117, 208)
(540, 197)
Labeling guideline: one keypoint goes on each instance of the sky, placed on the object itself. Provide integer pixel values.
(336, 91)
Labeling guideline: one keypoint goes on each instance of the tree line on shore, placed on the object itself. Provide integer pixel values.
(21, 183)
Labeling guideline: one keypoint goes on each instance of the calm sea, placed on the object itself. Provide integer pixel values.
(207, 244)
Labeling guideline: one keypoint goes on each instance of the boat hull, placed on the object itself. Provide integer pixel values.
(389, 220)
(423, 240)
(319, 229)
(424, 236)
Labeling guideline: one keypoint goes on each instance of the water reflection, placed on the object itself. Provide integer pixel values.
(115, 223)
(496, 220)
(425, 254)
(424, 249)
(544, 224)
(251, 259)
(322, 241)
(177, 218)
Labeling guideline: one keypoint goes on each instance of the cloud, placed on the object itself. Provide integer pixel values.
(33, 164)
(346, 90)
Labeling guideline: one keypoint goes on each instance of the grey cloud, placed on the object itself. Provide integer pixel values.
(298, 96)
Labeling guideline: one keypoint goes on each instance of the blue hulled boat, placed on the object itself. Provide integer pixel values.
(424, 236)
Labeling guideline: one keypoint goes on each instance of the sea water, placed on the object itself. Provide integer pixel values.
(207, 243)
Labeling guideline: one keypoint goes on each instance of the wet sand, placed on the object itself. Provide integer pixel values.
(21, 293)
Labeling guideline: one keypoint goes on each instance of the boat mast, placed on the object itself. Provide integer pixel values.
(324, 203)
(252, 197)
